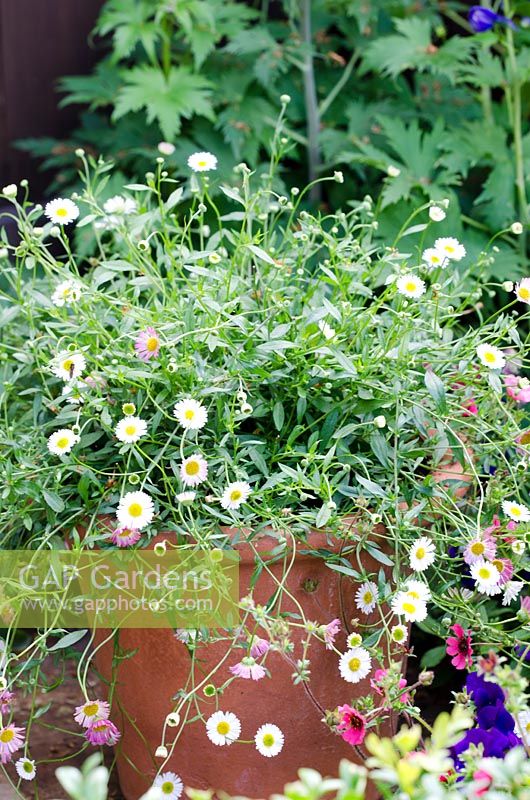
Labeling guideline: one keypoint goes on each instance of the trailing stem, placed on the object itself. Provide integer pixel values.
(311, 102)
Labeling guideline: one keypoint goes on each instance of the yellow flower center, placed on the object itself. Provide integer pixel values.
(151, 344)
(527, 727)
(189, 413)
(515, 512)
(525, 438)
(61, 212)
(223, 728)
(413, 594)
(62, 442)
(497, 563)
(420, 552)
(410, 608)
(99, 726)
(167, 787)
(524, 293)
(354, 664)
(489, 357)
(7, 736)
(192, 468)
(398, 635)
(135, 510)
(235, 495)
(91, 709)
(268, 740)
(410, 286)
(368, 597)
(123, 535)
(477, 548)
(27, 767)
(68, 364)
(484, 573)
(449, 248)
(202, 163)
(130, 430)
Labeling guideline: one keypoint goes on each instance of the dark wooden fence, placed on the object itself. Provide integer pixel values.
(40, 40)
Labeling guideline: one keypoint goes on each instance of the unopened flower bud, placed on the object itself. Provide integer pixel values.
(436, 214)
(516, 228)
(426, 677)
(285, 99)
(380, 421)
(507, 286)
(10, 190)
(160, 548)
(338, 176)
(143, 244)
(173, 719)
(393, 171)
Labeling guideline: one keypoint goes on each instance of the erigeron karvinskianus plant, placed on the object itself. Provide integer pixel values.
(268, 377)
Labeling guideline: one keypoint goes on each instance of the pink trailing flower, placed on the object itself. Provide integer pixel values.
(517, 388)
(459, 646)
(505, 567)
(11, 740)
(352, 725)
(259, 647)
(125, 537)
(248, 669)
(102, 732)
(92, 711)
(331, 630)
(481, 547)
(525, 604)
(484, 782)
(470, 408)
(379, 677)
(147, 344)
(6, 698)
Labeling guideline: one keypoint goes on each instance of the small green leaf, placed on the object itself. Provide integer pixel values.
(67, 641)
(278, 415)
(53, 500)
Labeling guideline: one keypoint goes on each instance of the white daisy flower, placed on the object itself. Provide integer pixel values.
(436, 214)
(411, 608)
(186, 497)
(354, 640)
(223, 727)
(451, 247)
(366, 597)
(62, 441)
(410, 285)
(68, 366)
(523, 718)
(26, 769)
(485, 574)
(491, 356)
(522, 290)
(235, 494)
(269, 740)
(399, 633)
(326, 330)
(191, 414)
(434, 257)
(66, 292)
(130, 429)
(516, 511)
(393, 171)
(194, 470)
(61, 211)
(422, 554)
(119, 205)
(518, 547)
(202, 162)
(170, 785)
(355, 664)
(418, 589)
(135, 510)
(166, 148)
(512, 589)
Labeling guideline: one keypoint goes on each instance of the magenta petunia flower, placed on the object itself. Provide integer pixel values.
(352, 725)
(459, 646)
(125, 537)
(147, 344)
(102, 732)
(11, 740)
(259, 647)
(332, 629)
(248, 669)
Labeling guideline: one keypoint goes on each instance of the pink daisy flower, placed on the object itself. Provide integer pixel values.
(459, 646)
(125, 537)
(505, 567)
(483, 546)
(248, 669)
(517, 389)
(259, 647)
(6, 698)
(352, 725)
(11, 740)
(147, 344)
(332, 629)
(91, 711)
(102, 732)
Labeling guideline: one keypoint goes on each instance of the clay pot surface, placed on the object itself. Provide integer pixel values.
(161, 666)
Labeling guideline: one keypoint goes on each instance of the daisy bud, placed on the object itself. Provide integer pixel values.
(426, 677)
(134, 479)
(160, 548)
(445, 203)
(172, 366)
(516, 228)
(10, 190)
(241, 397)
(284, 140)
(209, 690)
(166, 148)
(205, 230)
(507, 286)
(393, 171)
(201, 208)
(446, 621)
(173, 719)
(55, 231)
(216, 555)
(380, 421)
(161, 752)
(38, 231)
(331, 504)
(247, 409)
(436, 214)
(338, 176)
(295, 191)
(285, 99)
(128, 409)
(214, 258)
(80, 152)
(3, 684)
(4, 252)
(143, 244)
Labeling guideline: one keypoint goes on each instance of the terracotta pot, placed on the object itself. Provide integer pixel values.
(147, 682)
